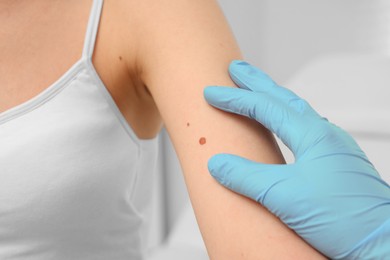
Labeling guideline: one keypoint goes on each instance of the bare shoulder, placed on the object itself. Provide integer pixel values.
(180, 30)
(153, 31)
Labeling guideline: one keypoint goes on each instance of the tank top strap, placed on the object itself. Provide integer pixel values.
(92, 28)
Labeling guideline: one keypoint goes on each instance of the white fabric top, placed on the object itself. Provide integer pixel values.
(75, 181)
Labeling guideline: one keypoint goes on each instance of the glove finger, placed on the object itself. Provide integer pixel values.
(245, 177)
(252, 78)
(249, 77)
(284, 119)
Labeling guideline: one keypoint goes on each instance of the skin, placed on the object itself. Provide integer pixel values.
(156, 69)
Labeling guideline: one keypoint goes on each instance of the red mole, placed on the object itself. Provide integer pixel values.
(202, 141)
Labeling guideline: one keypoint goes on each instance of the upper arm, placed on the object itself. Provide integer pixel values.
(183, 46)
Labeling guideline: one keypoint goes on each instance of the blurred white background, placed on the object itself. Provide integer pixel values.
(334, 53)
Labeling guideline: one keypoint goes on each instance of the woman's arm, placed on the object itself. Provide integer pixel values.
(183, 46)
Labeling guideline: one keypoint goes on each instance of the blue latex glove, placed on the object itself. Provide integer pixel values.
(332, 196)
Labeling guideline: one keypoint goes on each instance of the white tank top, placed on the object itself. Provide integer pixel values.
(75, 181)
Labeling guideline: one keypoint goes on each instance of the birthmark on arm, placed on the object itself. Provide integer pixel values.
(120, 58)
(202, 141)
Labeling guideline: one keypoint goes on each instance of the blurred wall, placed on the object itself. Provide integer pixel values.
(282, 35)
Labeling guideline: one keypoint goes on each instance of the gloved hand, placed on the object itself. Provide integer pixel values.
(332, 196)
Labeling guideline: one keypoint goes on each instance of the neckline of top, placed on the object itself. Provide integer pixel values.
(44, 95)
(51, 90)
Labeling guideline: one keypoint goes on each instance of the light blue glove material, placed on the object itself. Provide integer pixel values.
(332, 196)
